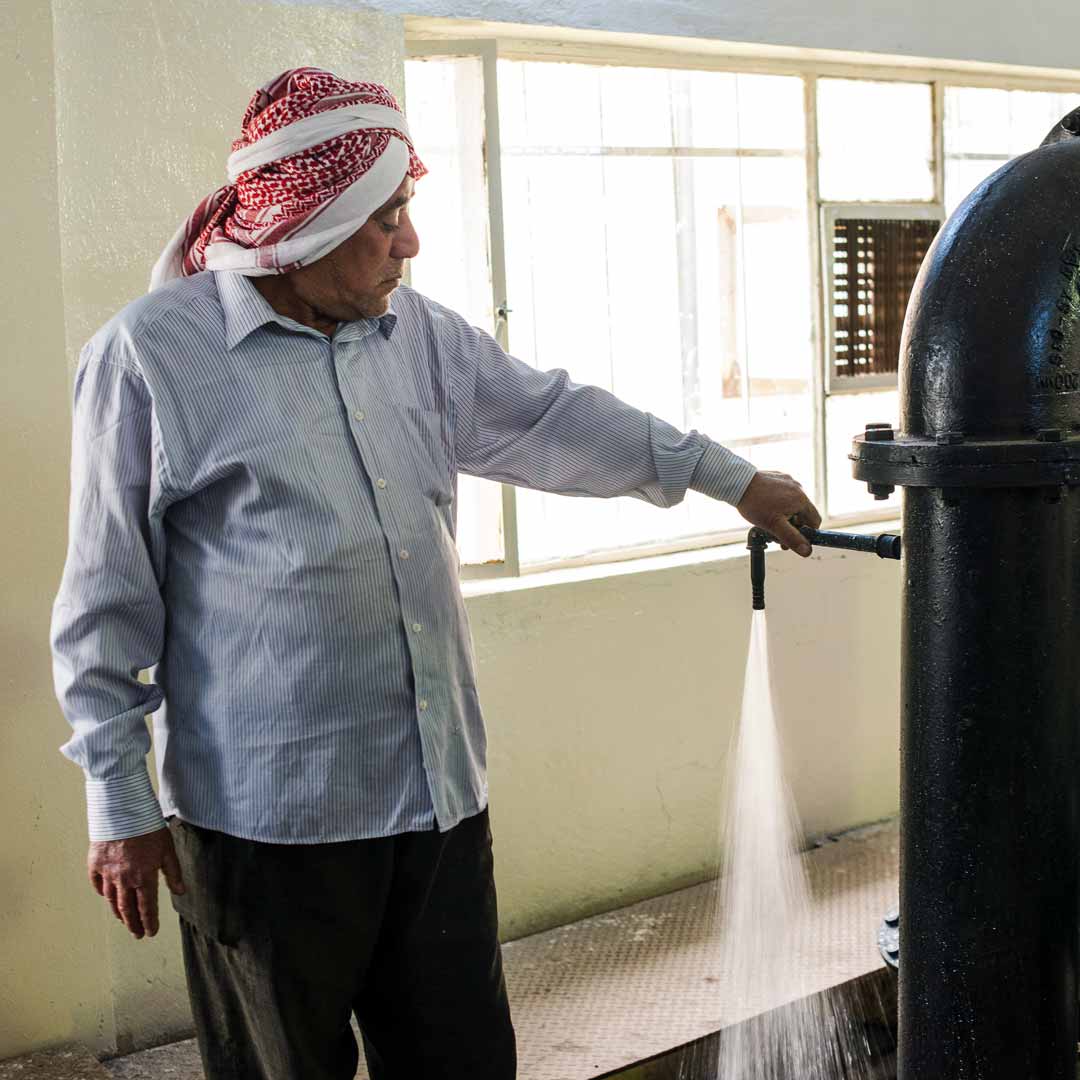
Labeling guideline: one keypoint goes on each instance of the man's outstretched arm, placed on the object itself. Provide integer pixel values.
(541, 430)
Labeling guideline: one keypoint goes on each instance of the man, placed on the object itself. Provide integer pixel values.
(264, 464)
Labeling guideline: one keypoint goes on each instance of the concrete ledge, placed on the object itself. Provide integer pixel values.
(65, 1063)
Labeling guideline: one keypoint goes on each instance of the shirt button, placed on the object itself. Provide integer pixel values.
(423, 703)
(359, 414)
(403, 554)
(417, 627)
(380, 483)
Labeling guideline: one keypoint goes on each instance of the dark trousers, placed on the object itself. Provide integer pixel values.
(283, 942)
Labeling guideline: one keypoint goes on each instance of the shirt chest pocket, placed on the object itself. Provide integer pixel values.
(422, 447)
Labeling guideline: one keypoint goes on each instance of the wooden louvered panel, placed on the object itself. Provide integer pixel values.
(875, 262)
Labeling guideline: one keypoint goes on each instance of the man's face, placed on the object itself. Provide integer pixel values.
(356, 279)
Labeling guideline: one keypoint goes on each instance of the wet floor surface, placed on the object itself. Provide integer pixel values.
(868, 1008)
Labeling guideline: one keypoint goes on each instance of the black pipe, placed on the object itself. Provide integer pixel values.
(989, 458)
(884, 545)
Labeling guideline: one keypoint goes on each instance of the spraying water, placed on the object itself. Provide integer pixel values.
(764, 904)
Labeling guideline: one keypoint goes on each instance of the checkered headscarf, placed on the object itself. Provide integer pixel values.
(317, 155)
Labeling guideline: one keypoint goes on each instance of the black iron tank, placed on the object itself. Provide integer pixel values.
(988, 456)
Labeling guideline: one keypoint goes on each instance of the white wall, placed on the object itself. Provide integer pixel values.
(53, 957)
(1043, 33)
(610, 704)
(176, 74)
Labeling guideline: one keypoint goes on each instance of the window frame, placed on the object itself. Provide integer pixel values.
(488, 54)
(431, 38)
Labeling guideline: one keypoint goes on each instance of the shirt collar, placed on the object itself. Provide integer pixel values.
(246, 309)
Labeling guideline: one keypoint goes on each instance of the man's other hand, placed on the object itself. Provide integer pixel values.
(771, 500)
(125, 872)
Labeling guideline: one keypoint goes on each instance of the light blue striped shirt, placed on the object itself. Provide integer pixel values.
(264, 517)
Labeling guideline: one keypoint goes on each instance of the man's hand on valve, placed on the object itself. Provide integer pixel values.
(776, 502)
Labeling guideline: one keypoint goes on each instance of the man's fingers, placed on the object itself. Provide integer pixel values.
(110, 894)
(97, 881)
(788, 536)
(771, 500)
(129, 911)
(147, 899)
(808, 515)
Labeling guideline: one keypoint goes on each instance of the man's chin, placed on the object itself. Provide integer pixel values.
(373, 307)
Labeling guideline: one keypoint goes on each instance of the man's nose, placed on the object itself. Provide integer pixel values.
(406, 242)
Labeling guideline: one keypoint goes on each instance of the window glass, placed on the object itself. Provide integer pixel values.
(445, 106)
(985, 127)
(677, 280)
(875, 140)
(846, 415)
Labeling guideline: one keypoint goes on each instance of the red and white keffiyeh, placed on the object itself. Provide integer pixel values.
(316, 157)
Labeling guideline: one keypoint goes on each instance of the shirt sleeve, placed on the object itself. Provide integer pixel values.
(539, 429)
(108, 618)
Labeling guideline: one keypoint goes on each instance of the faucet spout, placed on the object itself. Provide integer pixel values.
(757, 540)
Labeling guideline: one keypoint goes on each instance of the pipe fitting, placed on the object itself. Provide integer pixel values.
(884, 545)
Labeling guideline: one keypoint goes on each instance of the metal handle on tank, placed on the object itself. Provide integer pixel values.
(884, 545)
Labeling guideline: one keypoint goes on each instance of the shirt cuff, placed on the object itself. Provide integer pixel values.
(720, 474)
(123, 807)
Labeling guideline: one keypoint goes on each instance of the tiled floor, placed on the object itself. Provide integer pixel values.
(66, 1063)
(177, 1061)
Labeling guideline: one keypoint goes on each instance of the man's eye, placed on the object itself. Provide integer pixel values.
(388, 227)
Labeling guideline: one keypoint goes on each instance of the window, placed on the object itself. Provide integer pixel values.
(874, 263)
(872, 254)
(875, 141)
(446, 119)
(670, 238)
(648, 237)
(985, 127)
(875, 145)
